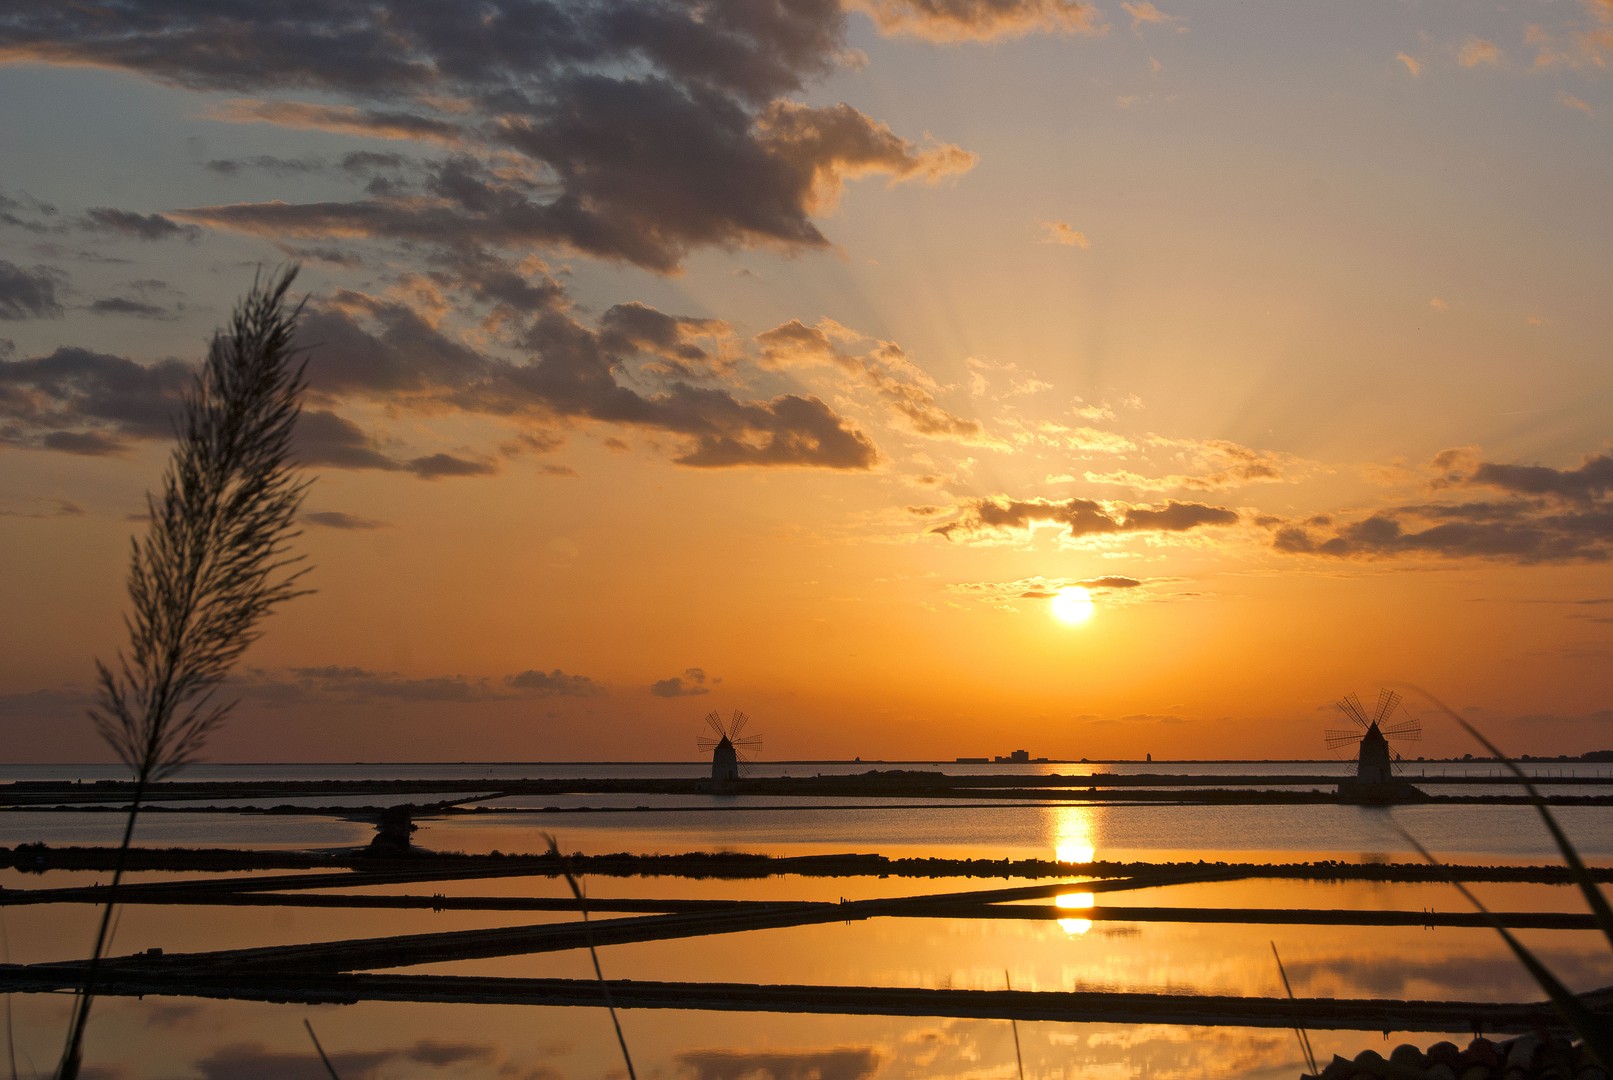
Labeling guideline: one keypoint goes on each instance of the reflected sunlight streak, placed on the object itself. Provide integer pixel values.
(1073, 829)
(1077, 901)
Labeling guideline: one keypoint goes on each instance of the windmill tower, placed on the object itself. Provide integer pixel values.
(728, 744)
(1376, 760)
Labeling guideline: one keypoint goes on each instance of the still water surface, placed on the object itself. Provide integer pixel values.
(191, 1039)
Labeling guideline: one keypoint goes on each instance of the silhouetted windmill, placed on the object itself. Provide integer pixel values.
(1376, 761)
(728, 743)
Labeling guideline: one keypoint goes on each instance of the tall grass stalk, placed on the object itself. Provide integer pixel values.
(593, 953)
(1593, 1030)
(1299, 1030)
(216, 559)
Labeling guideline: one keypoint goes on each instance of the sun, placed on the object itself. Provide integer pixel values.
(1072, 605)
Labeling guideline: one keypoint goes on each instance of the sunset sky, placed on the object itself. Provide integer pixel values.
(790, 355)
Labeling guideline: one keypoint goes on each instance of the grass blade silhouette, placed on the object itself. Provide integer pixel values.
(1576, 866)
(320, 1050)
(593, 953)
(1593, 1029)
(214, 561)
(1299, 1032)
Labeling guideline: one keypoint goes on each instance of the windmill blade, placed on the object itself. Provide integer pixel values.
(737, 725)
(1337, 738)
(749, 742)
(714, 722)
(1388, 701)
(1410, 730)
(705, 743)
(1350, 706)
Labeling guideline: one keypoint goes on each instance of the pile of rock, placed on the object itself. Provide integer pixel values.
(1528, 1057)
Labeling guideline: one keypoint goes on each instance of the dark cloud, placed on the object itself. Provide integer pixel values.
(1548, 516)
(83, 443)
(337, 519)
(75, 399)
(122, 305)
(299, 686)
(555, 683)
(57, 508)
(442, 466)
(981, 20)
(649, 127)
(324, 438)
(1591, 481)
(138, 226)
(1080, 517)
(253, 1061)
(364, 346)
(905, 387)
(277, 166)
(28, 294)
(850, 1063)
(13, 209)
(690, 684)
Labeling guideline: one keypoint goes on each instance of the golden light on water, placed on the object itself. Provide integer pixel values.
(1075, 901)
(1073, 829)
(1072, 605)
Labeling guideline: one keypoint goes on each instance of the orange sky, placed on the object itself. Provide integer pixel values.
(678, 357)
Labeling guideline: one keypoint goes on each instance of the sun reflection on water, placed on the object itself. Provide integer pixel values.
(1074, 829)
(1074, 901)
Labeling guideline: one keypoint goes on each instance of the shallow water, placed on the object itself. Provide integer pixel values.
(165, 1038)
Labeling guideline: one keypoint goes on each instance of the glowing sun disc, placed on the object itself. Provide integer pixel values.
(1072, 605)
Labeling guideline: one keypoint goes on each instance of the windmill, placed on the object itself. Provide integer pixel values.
(1376, 762)
(728, 744)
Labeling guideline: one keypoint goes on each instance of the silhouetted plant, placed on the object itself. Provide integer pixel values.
(214, 561)
(1594, 1031)
(593, 953)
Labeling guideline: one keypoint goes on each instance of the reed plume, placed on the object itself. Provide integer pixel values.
(216, 559)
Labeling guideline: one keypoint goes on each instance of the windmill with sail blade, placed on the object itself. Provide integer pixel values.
(1378, 762)
(729, 744)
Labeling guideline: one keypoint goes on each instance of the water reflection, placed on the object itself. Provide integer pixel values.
(1074, 901)
(1073, 829)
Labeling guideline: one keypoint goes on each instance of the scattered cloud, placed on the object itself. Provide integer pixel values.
(137, 226)
(1215, 464)
(954, 21)
(1569, 101)
(1439, 305)
(1003, 594)
(1411, 62)
(1544, 515)
(707, 148)
(28, 294)
(691, 683)
(23, 211)
(1143, 13)
(337, 519)
(849, 1063)
(50, 508)
(299, 686)
(905, 388)
(554, 683)
(122, 305)
(87, 402)
(253, 1061)
(1061, 232)
(1476, 51)
(993, 518)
